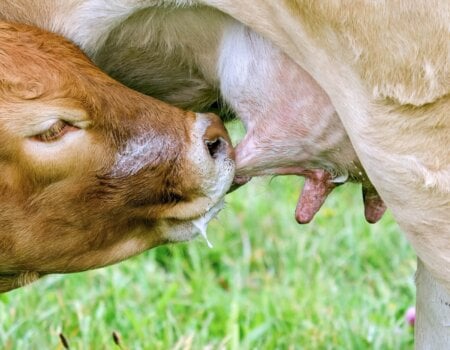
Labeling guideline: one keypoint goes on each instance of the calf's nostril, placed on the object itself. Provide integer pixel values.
(215, 137)
(215, 146)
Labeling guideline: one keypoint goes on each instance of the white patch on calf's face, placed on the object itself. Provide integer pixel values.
(216, 174)
(141, 151)
(213, 175)
(73, 153)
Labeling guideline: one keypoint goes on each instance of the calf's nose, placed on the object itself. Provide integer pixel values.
(216, 139)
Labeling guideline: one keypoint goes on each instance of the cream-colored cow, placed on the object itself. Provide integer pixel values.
(386, 67)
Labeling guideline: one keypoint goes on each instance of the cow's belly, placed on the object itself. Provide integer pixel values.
(168, 54)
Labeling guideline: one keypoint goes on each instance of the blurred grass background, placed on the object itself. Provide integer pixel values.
(268, 283)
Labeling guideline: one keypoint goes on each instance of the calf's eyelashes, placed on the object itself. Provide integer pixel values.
(57, 130)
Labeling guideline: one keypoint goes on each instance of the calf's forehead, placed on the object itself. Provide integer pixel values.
(34, 62)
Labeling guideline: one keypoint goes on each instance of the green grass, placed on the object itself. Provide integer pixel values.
(268, 283)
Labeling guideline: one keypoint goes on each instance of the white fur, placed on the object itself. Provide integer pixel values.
(289, 120)
(99, 17)
(216, 189)
(140, 152)
(432, 328)
(416, 191)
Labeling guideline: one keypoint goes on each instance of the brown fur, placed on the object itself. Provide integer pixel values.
(63, 207)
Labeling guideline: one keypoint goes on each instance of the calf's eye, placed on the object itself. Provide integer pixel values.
(55, 132)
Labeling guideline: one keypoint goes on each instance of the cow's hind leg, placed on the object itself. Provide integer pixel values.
(432, 328)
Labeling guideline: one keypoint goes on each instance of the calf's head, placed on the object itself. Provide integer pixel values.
(92, 172)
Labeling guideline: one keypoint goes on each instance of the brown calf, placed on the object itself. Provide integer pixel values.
(92, 172)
